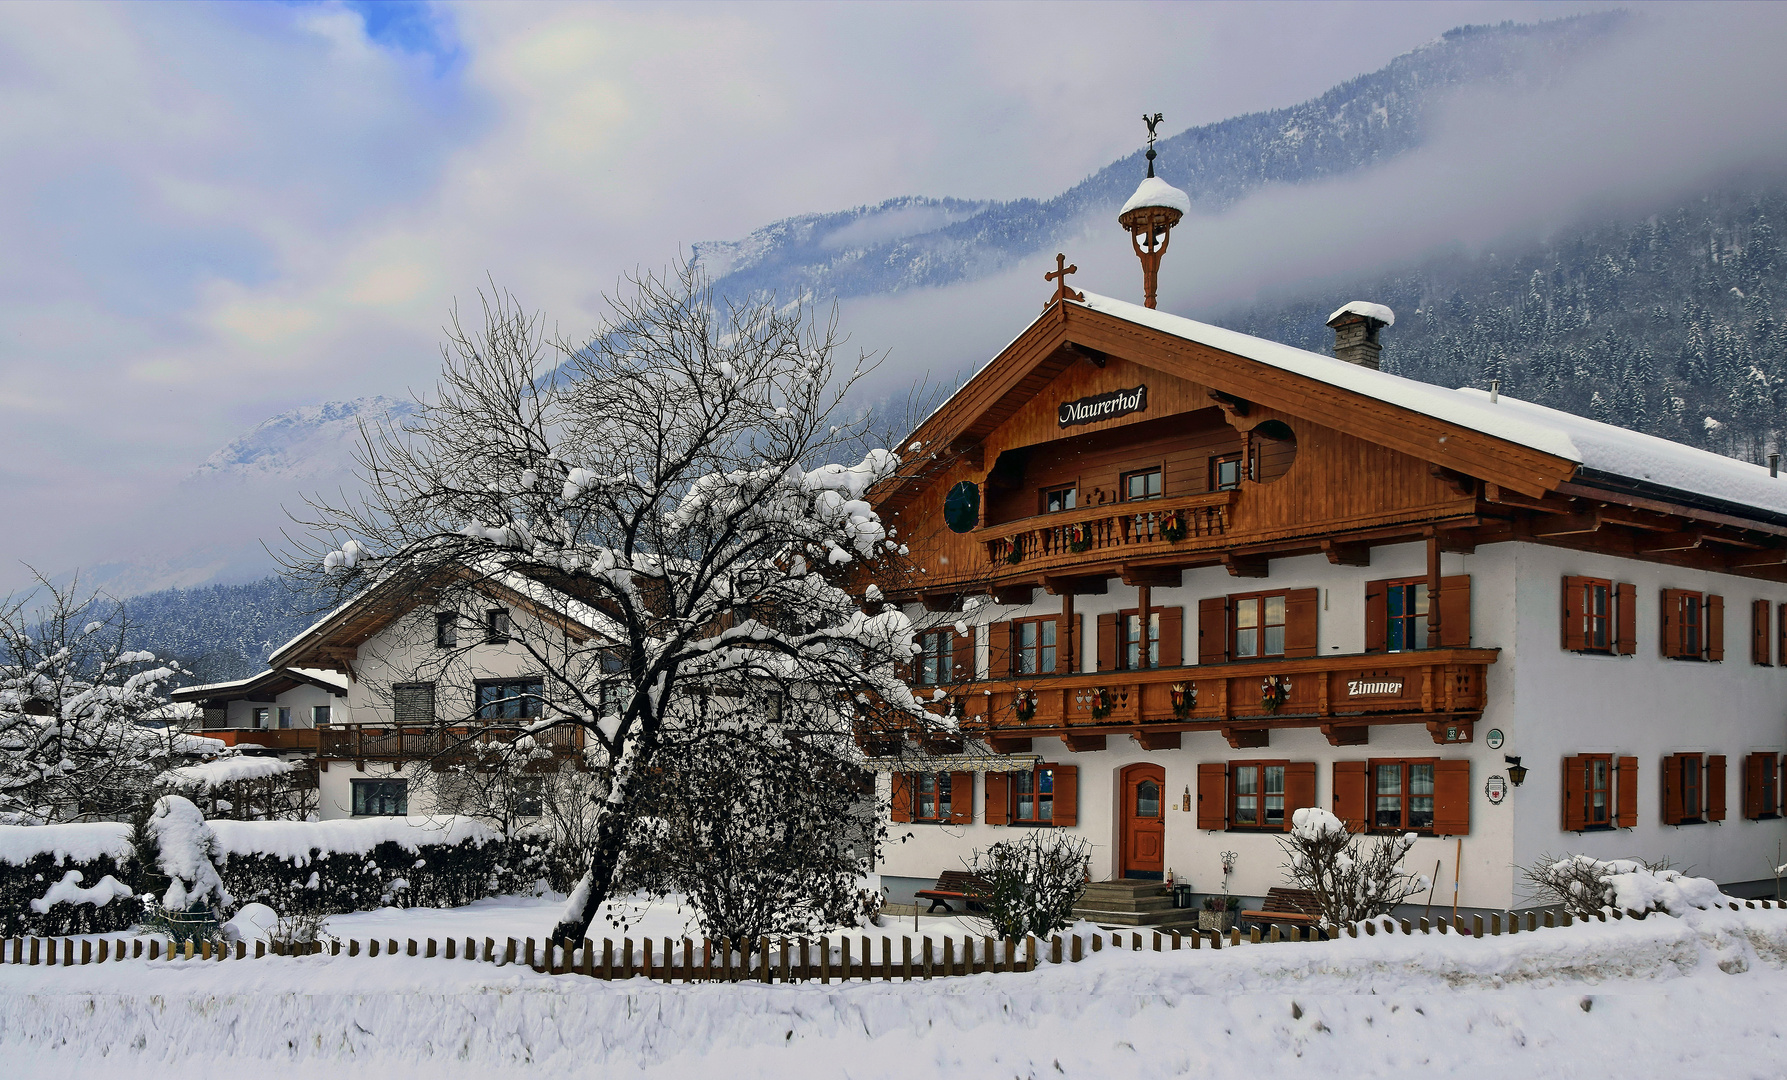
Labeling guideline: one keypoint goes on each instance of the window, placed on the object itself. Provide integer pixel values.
(1402, 795)
(381, 798)
(1034, 641)
(931, 797)
(1258, 800)
(1143, 484)
(412, 703)
(934, 659)
(1225, 472)
(1259, 625)
(1599, 616)
(1058, 499)
(1762, 786)
(260, 717)
(446, 629)
(285, 716)
(511, 699)
(1405, 615)
(496, 626)
(1133, 655)
(1597, 791)
(1693, 625)
(1688, 766)
(1693, 789)
(319, 715)
(1033, 796)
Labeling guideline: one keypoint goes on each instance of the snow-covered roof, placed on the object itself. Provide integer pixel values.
(329, 680)
(1154, 191)
(1596, 446)
(1366, 308)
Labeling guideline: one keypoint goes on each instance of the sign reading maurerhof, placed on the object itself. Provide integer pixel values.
(1105, 406)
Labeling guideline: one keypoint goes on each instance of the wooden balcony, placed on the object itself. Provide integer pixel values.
(1126, 530)
(270, 738)
(1344, 696)
(423, 742)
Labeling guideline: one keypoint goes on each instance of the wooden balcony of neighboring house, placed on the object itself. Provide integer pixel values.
(1070, 539)
(439, 743)
(266, 738)
(1343, 696)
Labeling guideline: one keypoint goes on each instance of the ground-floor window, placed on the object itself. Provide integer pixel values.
(931, 797)
(1033, 796)
(1258, 799)
(1402, 795)
(381, 798)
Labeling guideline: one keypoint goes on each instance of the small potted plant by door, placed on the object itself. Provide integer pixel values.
(1219, 912)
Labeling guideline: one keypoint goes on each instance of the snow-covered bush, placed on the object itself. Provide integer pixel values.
(1033, 882)
(1583, 885)
(1350, 880)
(67, 879)
(184, 896)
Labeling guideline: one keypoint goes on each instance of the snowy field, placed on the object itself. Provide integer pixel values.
(1705, 995)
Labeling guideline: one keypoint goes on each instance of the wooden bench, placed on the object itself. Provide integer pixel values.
(955, 885)
(1298, 907)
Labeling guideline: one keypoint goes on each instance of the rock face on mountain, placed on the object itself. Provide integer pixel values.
(300, 444)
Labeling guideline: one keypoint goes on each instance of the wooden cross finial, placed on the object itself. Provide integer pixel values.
(1059, 277)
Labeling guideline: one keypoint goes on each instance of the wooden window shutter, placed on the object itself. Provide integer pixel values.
(1781, 633)
(1754, 764)
(1067, 645)
(999, 655)
(1575, 636)
(1761, 645)
(1213, 630)
(1300, 606)
(1626, 808)
(1352, 794)
(906, 670)
(1672, 791)
(1575, 809)
(1671, 622)
(1067, 794)
(961, 798)
(1299, 789)
(998, 798)
(1213, 795)
(961, 656)
(1107, 641)
(1455, 612)
(1715, 787)
(1625, 618)
(1451, 795)
(1715, 628)
(899, 808)
(1172, 636)
(1377, 637)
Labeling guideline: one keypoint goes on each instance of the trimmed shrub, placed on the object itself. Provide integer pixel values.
(57, 880)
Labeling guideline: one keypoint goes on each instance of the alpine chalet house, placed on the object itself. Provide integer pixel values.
(1178, 582)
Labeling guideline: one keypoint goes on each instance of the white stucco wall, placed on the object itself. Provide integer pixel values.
(300, 699)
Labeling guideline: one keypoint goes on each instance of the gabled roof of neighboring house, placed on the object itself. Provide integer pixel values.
(264, 686)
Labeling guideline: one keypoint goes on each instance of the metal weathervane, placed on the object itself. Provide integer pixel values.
(1152, 122)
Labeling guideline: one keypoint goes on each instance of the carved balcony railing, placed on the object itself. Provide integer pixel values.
(1447, 689)
(422, 742)
(270, 738)
(1126, 529)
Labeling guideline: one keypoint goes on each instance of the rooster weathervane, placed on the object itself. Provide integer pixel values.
(1152, 122)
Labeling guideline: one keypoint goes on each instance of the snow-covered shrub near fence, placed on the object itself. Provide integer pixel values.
(324, 867)
(1584, 885)
(66, 879)
(1349, 880)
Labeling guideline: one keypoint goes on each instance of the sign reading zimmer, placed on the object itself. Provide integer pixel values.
(1373, 687)
(1105, 406)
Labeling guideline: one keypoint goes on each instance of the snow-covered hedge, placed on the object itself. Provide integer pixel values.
(66, 879)
(334, 866)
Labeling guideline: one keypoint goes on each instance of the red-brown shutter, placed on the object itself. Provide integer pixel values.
(1575, 636)
(1213, 796)
(1067, 794)
(1575, 806)
(1627, 805)
(1625, 618)
(1671, 622)
(1753, 766)
(1715, 787)
(1299, 789)
(961, 656)
(1715, 628)
(1760, 642)
(1107, 641)
(1451, 795)
(1300, 621)
(1213, 630)
(1377, 618)
(961, 798)
(1781, 633)
(1000, 660)
(1172, 636)
(1352, 794)
(900, 806)
(998, 798)
(1455, 612)
(1672, 791)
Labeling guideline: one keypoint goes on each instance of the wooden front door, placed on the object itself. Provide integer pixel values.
(1144, 821)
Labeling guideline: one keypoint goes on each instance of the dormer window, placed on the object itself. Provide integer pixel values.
(446, 630)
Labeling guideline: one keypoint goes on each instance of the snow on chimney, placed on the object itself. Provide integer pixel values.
(1355, 332)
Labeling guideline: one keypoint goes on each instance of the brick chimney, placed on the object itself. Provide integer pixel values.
(1356, 328)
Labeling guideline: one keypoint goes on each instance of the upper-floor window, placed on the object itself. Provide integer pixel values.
(496, 626)
(1402, 795)
(260, 717)
(319, 715)
(1225, 472)
(510, 699)
(413, 703)
(1139, 650)
(1600, 616)
(1259, 625)
(285, 716)
(1034, 642)
(446, 629)
(934, 659)
(1058, 499)
(1405, 608)
(1693, 625)
(1257, 800)
(1142, 484)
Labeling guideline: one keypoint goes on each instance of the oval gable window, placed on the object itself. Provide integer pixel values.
(961, 507)
(1274, 450)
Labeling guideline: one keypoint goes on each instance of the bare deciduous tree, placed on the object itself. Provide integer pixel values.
(1350, 880)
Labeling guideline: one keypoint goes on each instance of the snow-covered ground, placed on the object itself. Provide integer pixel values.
(1702, 995)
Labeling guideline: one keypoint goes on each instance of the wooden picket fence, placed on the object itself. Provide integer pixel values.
(799, 959)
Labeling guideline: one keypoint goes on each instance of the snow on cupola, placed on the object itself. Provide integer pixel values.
(1150, 215)
(1355, 331)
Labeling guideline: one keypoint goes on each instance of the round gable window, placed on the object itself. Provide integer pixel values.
(961, 507)
(1274, 450)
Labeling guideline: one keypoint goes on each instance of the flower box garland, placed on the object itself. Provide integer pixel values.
(1101, 703)
(1275, 690)
(1025, 707)
(1015, 554)
(1184, 698)
(1173, 529)
(1079, 538)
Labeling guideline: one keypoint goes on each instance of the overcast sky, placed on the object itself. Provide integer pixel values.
(212, 213)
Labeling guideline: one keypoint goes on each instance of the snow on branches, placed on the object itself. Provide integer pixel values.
(1350, 882)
